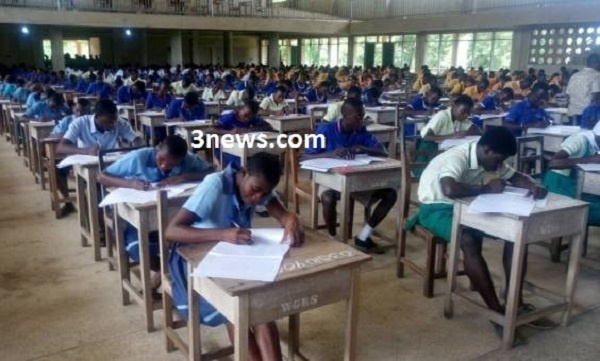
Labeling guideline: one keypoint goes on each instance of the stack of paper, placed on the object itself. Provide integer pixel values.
(325, 164)
(259, 261)
(82, 159)
(451, 143)
(513, 200)
(589, 167)
(128, 195)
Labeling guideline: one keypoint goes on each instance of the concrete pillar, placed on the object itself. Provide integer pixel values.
(350, 50)
(37, 46)
(228, 48)
(420, 51)
(196, 52)
(273, 53)
(176, 49)
(58, 54)
(519, 58)
(144, 47)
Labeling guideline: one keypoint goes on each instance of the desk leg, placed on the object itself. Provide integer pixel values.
(40, 161)
(573, 270)
(193, 324)
(123, 259)
(294, 337)
(344, 231)
(286, 178)
(352, 317)
(94, 221)
(241, 324)
(512, 299)
(314, 205)
(81, 206)
(453, 261)
(143, 232)
(151, 136)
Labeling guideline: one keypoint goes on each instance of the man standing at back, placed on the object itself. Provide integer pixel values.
(582, 87)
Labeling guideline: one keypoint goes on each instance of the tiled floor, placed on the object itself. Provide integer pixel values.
(58, 304)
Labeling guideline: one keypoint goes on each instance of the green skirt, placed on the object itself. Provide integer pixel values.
(567, 186)
(428, 146)
(436, 217)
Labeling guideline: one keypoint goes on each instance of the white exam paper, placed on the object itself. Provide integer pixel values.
(134, 196)
(503, 203)
(325, 164)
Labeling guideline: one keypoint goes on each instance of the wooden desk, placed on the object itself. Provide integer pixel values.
(91, 98)
(290, 123)
(382, 115)
(554, 136)
(385, 134)
(16, 114)
(212, 108)
(186, 129)
(129, 111)
(587, 182)
(378, 175)
(244, 152)
(4, 116)
(559, 115)
(318, 274)
(491, 119)
(151, 119)
(144, 218)
(562, 217)
(87, 190)
(37, 132)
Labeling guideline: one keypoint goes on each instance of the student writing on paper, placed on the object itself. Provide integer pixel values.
(167, 164)
(160, 98)
(275, 104)
(561, 178)
(496, 100)
(466, 171)
(132, 94)
(221, 209)
(334, 110)
(344, 139)
(529, 113)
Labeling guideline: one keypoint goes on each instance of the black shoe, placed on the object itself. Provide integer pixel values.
(368, 246)
(67, 209)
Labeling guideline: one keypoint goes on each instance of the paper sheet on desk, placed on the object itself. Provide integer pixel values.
(492, 116)
(257, 262)
(502, 203)
(325, 164)
(451, 143)
(589, 167)
(539, 203)
(134, 196)
(82, 159)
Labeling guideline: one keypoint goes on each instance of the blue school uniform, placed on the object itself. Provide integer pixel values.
(591, 114)
(20, 95)
(32, 99)
(85, 134)
(335, 138)
(313, 97)
(100, 89)
(229, 121)
(301, 88)
(270, 87)
(525, 113)
(176, 110)
(43, 110)
(154, 101)
(418, 103)
(8, 89)
(125, 95)
(490, 102)
(215, 204)
(63, 125)
(141, 164)
(82, 86)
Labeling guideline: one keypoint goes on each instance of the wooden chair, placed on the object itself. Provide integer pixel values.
(435, 261)
(51, 160)
(191, 348)
(530, 155)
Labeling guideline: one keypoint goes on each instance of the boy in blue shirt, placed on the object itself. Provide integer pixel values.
(161, 98)
(426, 102)
(186, 109)
(221, 209)
(135, 93)
(529, 113)
(81, 107)
(319, 94)
(98, 87)
(591, 114)
(52, 108)
(167, 164)
(344, 139)
(21, 93)
(9, 86)
(496, 100)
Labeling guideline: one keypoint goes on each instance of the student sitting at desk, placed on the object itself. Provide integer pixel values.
(319, 94)
(240, 96)
(98, 87)
(450, 123)
(81, 107)
(591, 114)
(346, 138)
(243, 119)
(221, 209)
(36, 94)
(160, 98)
(186, 109)
(89, 134)
(167, 164)
(215, 93)
(477, 92)
(469, 170)
(274, 104)
(184, 86)
(529, 113)
(132, 94)
(496, 100)
(21, 93)
(52, 109)
(427, 101)
(334, 110)
(561, 178)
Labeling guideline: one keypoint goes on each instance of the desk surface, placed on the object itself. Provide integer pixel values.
(317, 255)
(387, 164)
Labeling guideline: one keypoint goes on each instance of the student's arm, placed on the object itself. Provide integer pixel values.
(431, 137)
(186, 177)
(66, 147)
(561, 160)
(180, 230)
(288, 220)
(453, 189)
(522, 181)
(111, 181)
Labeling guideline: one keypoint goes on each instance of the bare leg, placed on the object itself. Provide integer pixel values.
(329, 199)
(253, 350)
(266, 336)
(387, 199)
